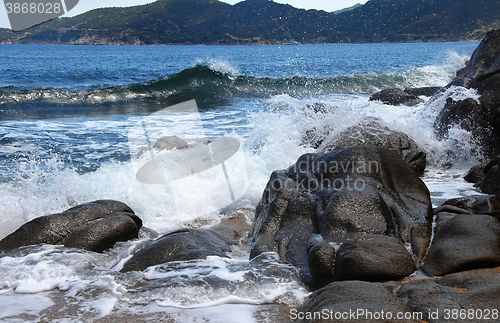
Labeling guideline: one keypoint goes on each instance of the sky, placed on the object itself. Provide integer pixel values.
(86, 5)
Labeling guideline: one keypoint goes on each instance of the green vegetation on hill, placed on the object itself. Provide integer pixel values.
(264, 21)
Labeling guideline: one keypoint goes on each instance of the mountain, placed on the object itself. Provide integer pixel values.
(264, 21)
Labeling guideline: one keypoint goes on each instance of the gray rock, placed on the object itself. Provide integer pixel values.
(321, 261)
(165, 143)
(464, 242)
(353, 193)
(371, 133)
(180, 245)
(382, 258)
(396, 97)
(475, 174)
(490, 183)
(170, 142)
(477, 204)
(94, 226)
(357, 299)
(477, 290)
(482, 74)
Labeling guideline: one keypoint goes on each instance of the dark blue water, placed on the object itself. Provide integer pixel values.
(89, 67)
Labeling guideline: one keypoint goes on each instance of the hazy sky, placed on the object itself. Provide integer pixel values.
(86, 5)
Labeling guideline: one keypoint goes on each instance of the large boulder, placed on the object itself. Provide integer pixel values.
(354, 193)
(94, 226)
(382, 258)
(372, 133)
(463, 242)
(180, 245)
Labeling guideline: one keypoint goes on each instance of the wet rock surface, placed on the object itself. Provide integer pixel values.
(180, 245)
(475, 293)
(490, 183)
(382, 258)
(94, 226)
(317, 198)
(344, 301)
(372, 133)
(482, 117)
(463, 242)
(396, 97)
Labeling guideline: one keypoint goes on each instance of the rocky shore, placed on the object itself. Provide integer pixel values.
(354, 218)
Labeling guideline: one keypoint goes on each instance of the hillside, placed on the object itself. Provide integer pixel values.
(264, 21)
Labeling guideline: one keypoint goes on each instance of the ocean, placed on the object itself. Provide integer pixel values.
(74, 119)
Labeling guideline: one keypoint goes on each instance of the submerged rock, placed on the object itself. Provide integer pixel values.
(94, 226)
(180, 245)
(351, 301)
(354, 193)
(170, 142)
(372, 133)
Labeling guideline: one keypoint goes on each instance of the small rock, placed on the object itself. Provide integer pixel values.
(170, 142)
(477, 204)
(490, 183)
(475, 174)
(94, 226)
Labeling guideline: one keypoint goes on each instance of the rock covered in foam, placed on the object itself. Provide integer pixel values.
(351, 301)
(180, 245)
(94, 226)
